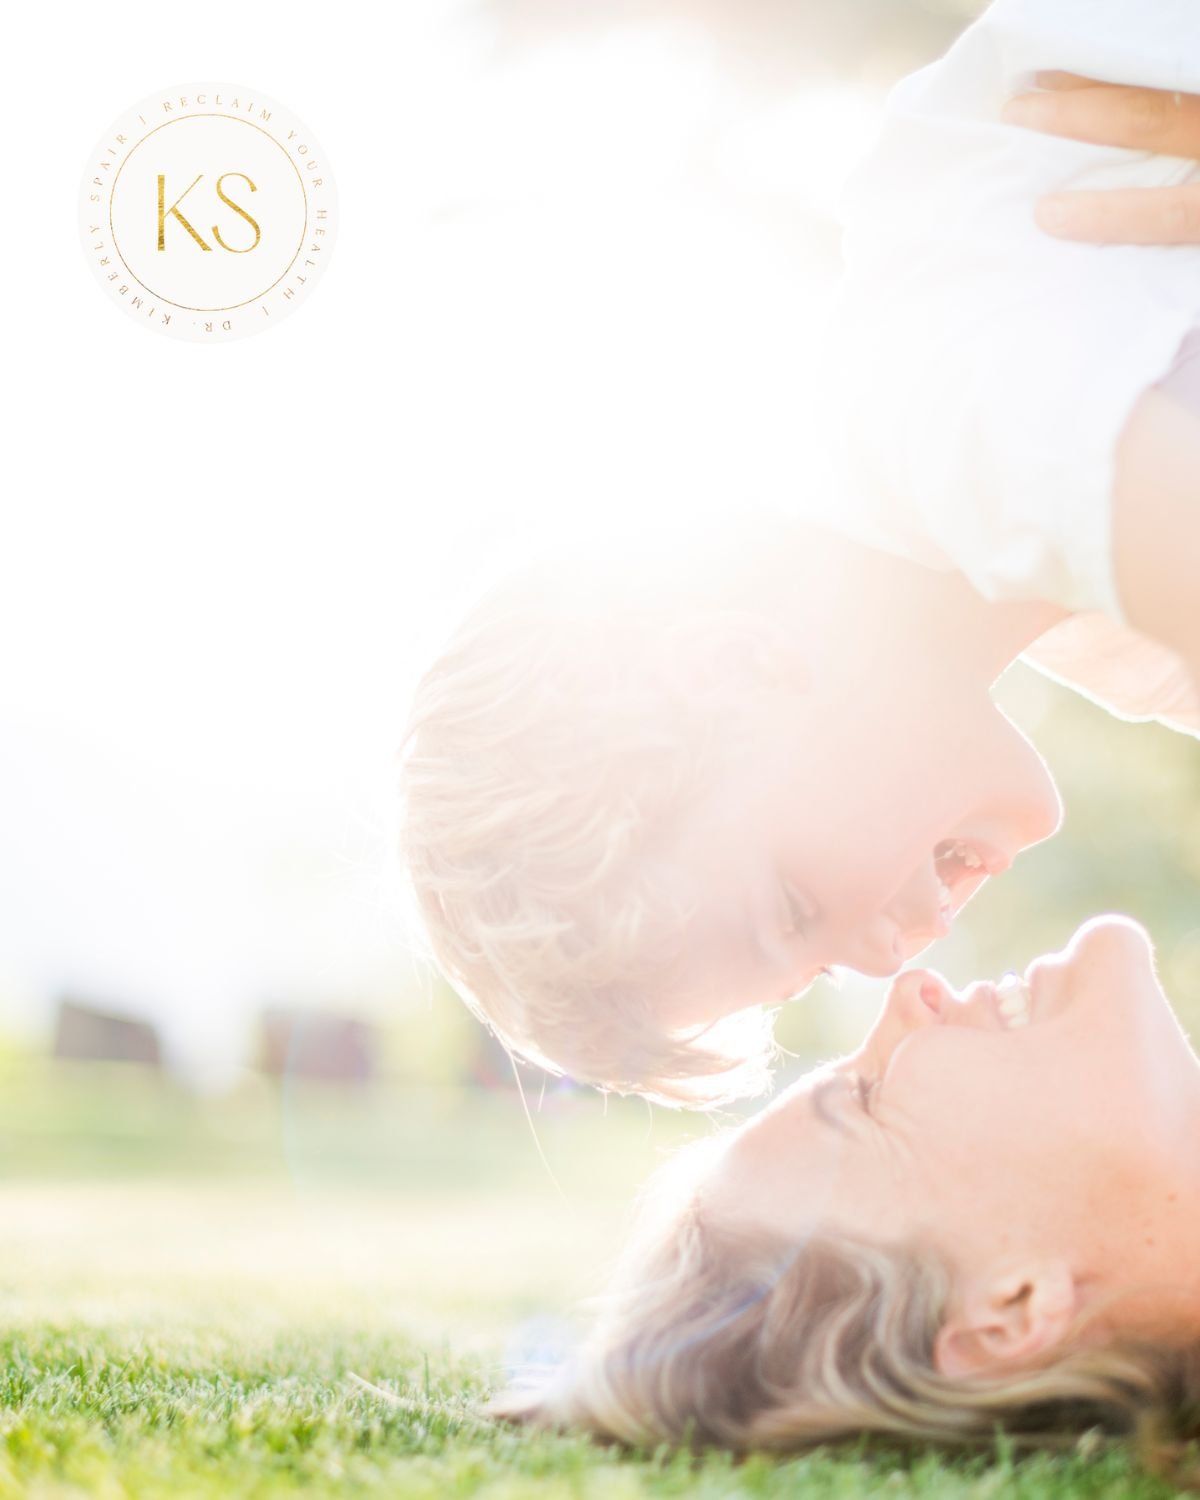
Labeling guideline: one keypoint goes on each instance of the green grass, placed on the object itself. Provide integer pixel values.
(191, 1295)
(236, 1410)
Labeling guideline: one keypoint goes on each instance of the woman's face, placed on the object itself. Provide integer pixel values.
(1065, 1134)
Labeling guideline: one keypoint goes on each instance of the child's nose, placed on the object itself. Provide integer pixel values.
(1032, 808)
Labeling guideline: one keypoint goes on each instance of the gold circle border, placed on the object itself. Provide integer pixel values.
(207, 114)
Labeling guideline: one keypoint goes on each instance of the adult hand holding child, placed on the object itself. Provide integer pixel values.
(1138, 119)
(1154, 532)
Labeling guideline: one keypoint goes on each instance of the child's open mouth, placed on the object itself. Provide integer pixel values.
(960, 867)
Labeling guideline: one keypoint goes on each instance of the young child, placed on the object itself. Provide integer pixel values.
(644, 802)
(983, 371)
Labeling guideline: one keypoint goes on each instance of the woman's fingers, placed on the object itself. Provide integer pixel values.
(1111, 115)
(1106, 114)
(1055, 80)
(1129, 216)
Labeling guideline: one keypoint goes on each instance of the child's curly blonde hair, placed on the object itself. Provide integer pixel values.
(554, 750)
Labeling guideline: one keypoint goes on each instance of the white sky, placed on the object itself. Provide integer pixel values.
(220, 567)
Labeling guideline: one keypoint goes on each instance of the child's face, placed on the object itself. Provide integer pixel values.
(850, 835)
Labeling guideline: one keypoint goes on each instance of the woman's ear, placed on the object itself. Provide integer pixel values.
(1007, 1320)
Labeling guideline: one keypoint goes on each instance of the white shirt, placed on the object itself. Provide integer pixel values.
(981, 372)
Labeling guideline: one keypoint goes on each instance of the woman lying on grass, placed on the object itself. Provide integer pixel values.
(987, 1217)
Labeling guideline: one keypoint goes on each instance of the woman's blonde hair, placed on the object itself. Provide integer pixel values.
(554, 750)
(718, 1333)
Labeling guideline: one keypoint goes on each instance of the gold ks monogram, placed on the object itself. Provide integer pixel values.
(174, 211)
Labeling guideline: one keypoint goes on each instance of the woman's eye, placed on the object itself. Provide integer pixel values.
(864, 1089)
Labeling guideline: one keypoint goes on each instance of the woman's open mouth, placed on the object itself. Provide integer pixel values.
(1013, 998)
(1005, 1005)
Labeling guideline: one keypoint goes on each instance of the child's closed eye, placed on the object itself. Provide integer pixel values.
(797, 913)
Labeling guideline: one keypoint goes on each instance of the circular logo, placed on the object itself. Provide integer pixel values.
(208, 212)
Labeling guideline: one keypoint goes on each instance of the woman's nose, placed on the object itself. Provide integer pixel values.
(914, 1000)
(912, 1003)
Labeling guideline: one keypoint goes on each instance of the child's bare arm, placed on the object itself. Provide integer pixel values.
(1156, 524)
